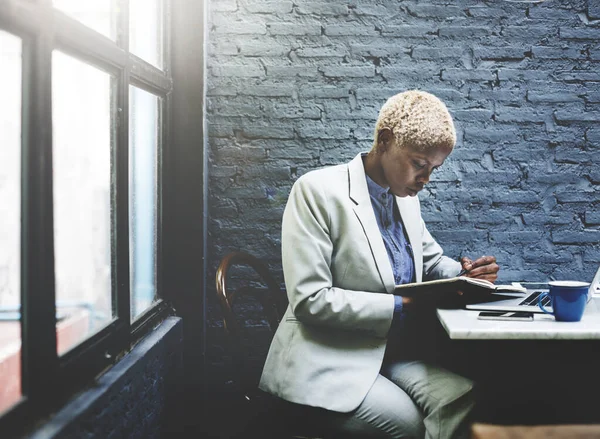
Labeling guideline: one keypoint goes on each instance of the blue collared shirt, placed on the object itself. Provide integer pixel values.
(395, 240)
(392, 231)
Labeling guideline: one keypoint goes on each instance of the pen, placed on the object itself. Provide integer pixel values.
(464, 271)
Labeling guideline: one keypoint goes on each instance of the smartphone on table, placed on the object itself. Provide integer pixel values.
(506, 315)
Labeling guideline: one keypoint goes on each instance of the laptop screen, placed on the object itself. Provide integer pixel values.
(595, 285)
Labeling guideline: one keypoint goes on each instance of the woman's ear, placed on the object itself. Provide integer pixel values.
(384, 139)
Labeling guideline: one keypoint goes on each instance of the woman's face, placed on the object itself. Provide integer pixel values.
(407, 170)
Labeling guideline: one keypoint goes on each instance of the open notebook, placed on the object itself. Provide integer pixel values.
(474, 291)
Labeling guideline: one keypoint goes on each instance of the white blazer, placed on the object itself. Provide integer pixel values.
(329, 346)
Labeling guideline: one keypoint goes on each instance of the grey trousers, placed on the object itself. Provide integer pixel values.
(410, 399)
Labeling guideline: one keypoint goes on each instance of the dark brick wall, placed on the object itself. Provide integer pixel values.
(140, 397)
(296, 85)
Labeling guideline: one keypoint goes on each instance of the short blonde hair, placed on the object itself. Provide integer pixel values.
(417, 119)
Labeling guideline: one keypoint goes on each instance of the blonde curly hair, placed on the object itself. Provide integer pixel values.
(417, 119)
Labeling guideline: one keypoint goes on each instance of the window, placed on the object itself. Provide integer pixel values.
(10, 194)
(146, 30)
(83, 119)
(97, 14)
(143, 143)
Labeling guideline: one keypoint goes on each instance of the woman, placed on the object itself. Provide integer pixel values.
(349, 234)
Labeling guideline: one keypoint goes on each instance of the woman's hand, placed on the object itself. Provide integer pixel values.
(483, 268)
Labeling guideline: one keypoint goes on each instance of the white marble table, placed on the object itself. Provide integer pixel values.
(462, 324)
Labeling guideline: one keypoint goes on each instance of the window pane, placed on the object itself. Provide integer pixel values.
(81, 99)
(99, 15)
(10, 217)
(143, 145)
(146, 30)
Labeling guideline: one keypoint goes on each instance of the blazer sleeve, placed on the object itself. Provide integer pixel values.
(307, 250)
(435, 264)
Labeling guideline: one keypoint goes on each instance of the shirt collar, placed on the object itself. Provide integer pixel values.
(375, 190)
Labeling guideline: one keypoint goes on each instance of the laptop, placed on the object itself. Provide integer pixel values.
(529, 301)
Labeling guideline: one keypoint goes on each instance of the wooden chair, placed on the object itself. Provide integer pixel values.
(266, 416)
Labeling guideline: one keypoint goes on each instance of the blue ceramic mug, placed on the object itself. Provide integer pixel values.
(568, 299)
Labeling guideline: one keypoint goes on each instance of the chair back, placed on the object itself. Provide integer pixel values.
(269, 417)
(272, 300)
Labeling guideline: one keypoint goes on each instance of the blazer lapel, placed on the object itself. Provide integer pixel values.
(409, 211)
(359, 194)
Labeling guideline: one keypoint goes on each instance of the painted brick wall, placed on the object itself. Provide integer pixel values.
(296, 85)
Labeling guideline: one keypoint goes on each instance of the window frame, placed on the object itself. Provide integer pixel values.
(49, 379)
